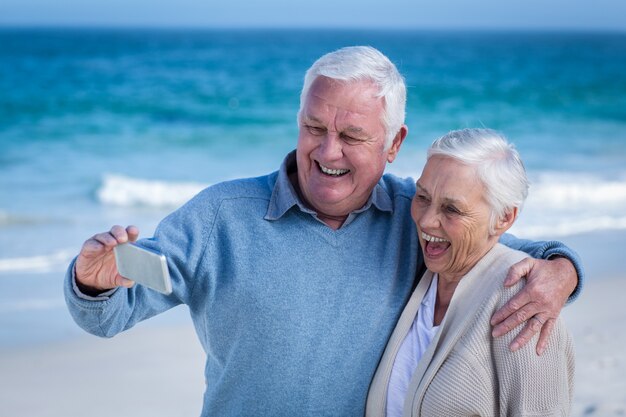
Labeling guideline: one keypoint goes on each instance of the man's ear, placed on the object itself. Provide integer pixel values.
(506, 221)
(397, 142)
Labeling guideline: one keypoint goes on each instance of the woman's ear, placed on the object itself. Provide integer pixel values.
(506, 221)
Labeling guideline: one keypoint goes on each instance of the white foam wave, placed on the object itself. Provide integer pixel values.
(567, 227)
(560, 191)
(562, 204)
(567, 204)
(32, 304)
(119, 190)
(11, 219)
(559, 204)
(57, 261)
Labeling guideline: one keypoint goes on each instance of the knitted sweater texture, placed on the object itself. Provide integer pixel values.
(467, 372)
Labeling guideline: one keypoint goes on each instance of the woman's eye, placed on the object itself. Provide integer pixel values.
(451, 209)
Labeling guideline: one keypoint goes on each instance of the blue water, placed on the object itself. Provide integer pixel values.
(99, 127)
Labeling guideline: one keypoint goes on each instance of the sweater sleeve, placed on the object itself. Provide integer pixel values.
(181, 237)
(531, 385)
(547, 250)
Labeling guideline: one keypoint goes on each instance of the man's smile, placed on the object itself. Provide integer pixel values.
(332, 172)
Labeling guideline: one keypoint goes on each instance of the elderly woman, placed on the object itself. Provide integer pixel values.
(441, 359)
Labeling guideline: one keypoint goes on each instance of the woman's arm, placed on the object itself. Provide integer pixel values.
(530, 384)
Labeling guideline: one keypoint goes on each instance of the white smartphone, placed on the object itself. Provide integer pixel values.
(144, 266)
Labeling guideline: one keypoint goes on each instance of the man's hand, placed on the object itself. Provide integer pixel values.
(95, 266)
(548, 285)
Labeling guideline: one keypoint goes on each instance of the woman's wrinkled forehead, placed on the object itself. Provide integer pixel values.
(448, 179)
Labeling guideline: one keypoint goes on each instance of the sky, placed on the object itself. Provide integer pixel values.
(402, 14)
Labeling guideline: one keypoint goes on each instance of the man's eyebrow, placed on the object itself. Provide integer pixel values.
(310, 118)
(418, 187)
(350, 129)
(354, 129)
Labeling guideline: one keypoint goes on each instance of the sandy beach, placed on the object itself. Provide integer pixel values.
(144, 372)
(158, 370)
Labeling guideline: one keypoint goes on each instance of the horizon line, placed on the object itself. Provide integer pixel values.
(174, 27)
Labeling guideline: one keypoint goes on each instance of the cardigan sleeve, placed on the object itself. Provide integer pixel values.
(531, 385)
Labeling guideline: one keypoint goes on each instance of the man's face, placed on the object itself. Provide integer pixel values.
(341, 146)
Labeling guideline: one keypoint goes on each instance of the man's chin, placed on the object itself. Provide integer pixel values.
(329, 196)
(332, 206)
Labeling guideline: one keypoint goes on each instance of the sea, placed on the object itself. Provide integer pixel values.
(121, 126)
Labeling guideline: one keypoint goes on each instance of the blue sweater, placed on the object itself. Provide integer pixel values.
(293, 316)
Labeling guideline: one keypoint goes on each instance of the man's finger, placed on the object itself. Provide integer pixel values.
(120, 281)
(515, 319)
(546, 331)
(533, 326)
(511, 307)
(133, 233)
(91, 246)
(119, 233)
(106, 239)
(518, 271)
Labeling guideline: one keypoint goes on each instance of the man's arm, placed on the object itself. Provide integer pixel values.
(549, 250)
(100, 300)
(553, 277)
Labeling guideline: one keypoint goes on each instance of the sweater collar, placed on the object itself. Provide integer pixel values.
(284, 195)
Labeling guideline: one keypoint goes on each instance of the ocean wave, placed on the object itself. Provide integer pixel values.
(567, 226)
(577, 191)
(32, 304)
(565, 203)
(11, 219)
(558, 204)
(54, 262)
(562, 204)
(120, 190)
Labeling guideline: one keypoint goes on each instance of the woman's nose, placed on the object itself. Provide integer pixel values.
(429, 219)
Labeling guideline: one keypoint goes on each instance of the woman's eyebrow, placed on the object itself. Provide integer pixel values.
(445, 199)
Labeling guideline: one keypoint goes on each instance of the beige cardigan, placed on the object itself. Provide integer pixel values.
(466, 372)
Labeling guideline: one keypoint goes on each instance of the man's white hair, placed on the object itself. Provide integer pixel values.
(364, 63)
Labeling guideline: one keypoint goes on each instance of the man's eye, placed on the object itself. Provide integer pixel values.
(420, 198)
(451, 210)
(315, 130)
(351, 140)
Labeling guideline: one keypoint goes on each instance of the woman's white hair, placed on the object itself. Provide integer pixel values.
(497, 163)
(359, 63)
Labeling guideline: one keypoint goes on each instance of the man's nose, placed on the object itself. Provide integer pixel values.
(331, 147)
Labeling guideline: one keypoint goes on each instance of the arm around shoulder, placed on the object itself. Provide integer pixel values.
(530, 384)
(549, 250)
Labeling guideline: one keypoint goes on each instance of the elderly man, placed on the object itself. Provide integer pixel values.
(295, 280)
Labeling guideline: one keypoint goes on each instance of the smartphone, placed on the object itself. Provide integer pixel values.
(144, 266)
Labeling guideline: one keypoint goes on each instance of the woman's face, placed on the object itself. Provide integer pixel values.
(452, 217)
